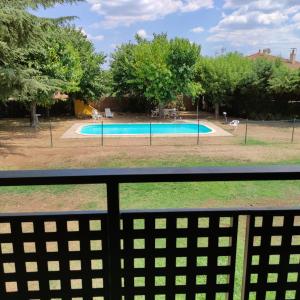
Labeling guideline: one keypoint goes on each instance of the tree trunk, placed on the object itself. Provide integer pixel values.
(33, 117)
(161, 110)
(217, 110)
(204, 104)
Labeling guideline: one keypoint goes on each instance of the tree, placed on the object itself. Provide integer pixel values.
(93, 81)
(284, 81)
(122, 71)
(20, 31)
(57, 65)
(254, 90)
(182, 58)
(220, 76)
(157, 70)
(22, 38)
(40, 56)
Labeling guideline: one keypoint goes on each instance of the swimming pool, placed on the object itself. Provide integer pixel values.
(145, 129)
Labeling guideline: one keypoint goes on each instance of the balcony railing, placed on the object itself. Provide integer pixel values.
(162, 254)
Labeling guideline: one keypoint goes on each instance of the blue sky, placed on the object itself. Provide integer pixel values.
(234, 25)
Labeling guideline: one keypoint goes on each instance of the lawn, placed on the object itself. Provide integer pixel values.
(162, 195)
(156, 195)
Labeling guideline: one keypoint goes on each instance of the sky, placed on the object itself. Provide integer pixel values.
(217, 25)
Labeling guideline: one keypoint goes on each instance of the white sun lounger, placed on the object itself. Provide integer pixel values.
(108, 113)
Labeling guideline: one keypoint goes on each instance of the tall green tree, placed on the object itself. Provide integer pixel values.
(158, 70)
(20, 32)
(182, 58)
(220, 76)
(39, 56)
(254, 89)
(122, 67)
(93, 81)
(56, 67)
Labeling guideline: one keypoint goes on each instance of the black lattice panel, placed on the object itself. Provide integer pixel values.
(273, 261)
(178, 255)
(53, 257)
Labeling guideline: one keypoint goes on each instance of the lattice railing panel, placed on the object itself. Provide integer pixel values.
(273, 257)
(53, 257)
(164, 255)
(178, 255)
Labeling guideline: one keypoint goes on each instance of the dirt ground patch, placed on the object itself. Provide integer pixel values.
(24, 148)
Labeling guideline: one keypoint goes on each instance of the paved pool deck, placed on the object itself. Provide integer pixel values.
(73, 131)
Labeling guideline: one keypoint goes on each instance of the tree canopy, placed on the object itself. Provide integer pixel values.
(220, 76)
(158, 70)
(40, 56)
(254, 89)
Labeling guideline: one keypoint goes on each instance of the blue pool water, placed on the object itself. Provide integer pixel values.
(144, 129)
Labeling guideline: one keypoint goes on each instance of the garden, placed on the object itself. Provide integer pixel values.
(46, 61)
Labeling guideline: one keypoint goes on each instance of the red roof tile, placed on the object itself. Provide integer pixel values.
(287, 62)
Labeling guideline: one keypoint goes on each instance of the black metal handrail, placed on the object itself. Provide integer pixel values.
(114, 234)
(90, 176)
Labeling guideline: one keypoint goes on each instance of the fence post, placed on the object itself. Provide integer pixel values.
(51, 135)
(198, 139)
(293, 133)
(246, 132)
(102, 137)
(114, 238)
(150, 133)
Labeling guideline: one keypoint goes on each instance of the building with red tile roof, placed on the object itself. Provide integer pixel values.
(266, 53)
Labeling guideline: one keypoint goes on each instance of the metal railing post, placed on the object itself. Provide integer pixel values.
(293, 132)
(114, 238)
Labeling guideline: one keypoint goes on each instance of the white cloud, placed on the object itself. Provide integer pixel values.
(262, 37)
(271, 18)
(197, 29)
(260, 4)
(194, 5)
(259, 23)
(142, 33)
(91, 37)
(296, 17)
(99, 37)
(126, 12)
(241, 19)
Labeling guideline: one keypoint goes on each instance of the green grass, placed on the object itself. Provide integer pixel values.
(222, 194)
(251, 141)
(171, 195)
(175, 195)
(189, 161)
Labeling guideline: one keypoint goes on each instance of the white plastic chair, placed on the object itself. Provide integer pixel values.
(234, 123)
(154, 113)
(166, 113)
(173, 113)
(108, 113)
(96, 115)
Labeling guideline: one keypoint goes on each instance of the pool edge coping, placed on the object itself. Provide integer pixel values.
(72, 132)
(143, 135)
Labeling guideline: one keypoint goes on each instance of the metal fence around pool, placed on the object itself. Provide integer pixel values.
(50, 135)
(162, 254)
